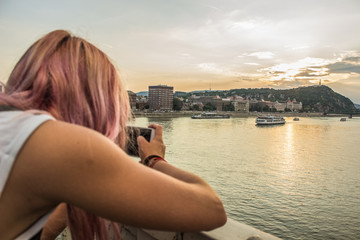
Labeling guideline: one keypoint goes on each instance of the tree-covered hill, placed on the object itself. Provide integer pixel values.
(321, 99)
(313, 98)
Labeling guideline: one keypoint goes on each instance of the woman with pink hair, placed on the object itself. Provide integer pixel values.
(62, 121)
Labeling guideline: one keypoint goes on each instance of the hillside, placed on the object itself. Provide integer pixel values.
(313, 98)
(143, 93)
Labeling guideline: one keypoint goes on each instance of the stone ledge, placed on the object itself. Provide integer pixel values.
(232, 230)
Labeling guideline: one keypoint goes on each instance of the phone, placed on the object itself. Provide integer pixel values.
(132, 133)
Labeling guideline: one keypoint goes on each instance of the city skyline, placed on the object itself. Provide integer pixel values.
(203, 44)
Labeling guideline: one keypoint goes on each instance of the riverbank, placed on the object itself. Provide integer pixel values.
(175, 114)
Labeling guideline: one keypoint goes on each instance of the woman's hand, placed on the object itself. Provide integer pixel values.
(155, 147)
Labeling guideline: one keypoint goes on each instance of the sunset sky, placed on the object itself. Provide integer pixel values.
(202, 44)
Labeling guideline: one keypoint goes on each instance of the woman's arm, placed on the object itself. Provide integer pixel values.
(81, 167)
(56, 223)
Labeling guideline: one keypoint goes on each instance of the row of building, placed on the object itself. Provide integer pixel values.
(240, 104)
(161, 97)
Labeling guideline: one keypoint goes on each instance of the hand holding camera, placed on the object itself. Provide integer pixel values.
(154, 147)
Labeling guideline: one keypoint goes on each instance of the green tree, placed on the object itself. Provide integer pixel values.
(195, 107)
(228, 107)
(307, 108)
(177, 104)
(209, 107)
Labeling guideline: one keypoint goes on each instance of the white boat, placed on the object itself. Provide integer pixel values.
(209, 115)
(269, 120)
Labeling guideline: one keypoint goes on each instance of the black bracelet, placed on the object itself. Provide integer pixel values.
(146, 160)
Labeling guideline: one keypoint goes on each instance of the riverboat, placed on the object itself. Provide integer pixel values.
(270, 120)
(209, 115)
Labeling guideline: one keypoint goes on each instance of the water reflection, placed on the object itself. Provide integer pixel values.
(297, 181)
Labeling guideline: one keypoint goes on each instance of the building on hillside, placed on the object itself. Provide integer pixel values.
(201, 101)
(215, 101)
(142, 102)
(240, 104)
(161, 97)
(132, 99)
(227, 104)
(280, 107)
(193, 99)
(293, 105)
(271, 105)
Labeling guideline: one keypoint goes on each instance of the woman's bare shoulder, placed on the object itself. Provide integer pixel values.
(63, 140)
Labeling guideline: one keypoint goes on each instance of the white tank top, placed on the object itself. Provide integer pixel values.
(15, 129)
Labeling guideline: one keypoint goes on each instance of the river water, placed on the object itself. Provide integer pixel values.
(300, 180)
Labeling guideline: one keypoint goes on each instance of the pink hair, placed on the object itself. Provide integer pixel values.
(75, 82)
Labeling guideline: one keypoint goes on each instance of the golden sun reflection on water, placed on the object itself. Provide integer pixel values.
(289, 144)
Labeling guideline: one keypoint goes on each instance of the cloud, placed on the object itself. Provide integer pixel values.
(303, 68)
(310, 73)
(343, 67)
(352, 59)
(213, 7)
(260, 55)
(297, 47)
(210, 68)
(286, 83)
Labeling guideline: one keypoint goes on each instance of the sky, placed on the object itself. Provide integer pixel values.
(202, 44)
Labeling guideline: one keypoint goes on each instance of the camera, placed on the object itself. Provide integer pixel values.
(132, 133)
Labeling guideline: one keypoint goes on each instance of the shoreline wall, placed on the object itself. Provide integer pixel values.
(175, 114)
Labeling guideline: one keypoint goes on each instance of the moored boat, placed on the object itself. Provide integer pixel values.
(270, 120)
(209, 115)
